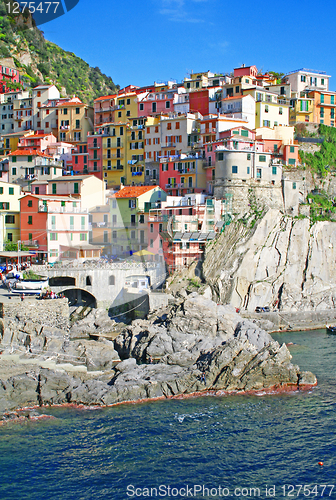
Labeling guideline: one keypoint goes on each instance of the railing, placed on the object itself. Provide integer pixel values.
(106, 157)
(94, 158)
(30, 243)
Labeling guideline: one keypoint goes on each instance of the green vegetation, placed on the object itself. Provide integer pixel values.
(50, 64)
(30, 275)
(322, 207)
(10, 246)
(323, 161)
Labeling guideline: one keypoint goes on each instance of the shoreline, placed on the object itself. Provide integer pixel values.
(17, 416)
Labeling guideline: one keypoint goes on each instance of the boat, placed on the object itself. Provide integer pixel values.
(331, 329)
(32, 284)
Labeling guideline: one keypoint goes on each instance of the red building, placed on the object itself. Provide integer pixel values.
(199, 101)
(8, 78)
(182, 175)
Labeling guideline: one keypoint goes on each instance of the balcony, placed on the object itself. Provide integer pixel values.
(113, 157)
(94, 158)
(101, 224)
(114, 145)
(64, 127)
(171, 186)
(30, 243)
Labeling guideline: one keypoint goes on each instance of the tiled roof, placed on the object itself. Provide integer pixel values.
(28, 152)
(133, 191)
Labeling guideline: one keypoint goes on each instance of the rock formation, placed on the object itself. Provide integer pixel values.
(281, 262)
(163, 356)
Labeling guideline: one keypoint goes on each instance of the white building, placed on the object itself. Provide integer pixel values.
(307, 79)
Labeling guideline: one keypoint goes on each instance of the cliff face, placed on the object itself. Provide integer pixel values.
(282, 263)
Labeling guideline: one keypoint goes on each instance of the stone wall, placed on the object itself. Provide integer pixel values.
(264, 193)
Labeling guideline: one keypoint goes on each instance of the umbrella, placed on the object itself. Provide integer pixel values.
(142, 253)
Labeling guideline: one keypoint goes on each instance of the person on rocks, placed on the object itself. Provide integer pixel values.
(150, 360)
(203, 379)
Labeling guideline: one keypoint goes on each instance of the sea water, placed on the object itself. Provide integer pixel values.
(209, 447)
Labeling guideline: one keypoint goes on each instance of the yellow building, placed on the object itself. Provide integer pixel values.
(75, 120)
(9, 213)
(302, 110)
(271, 110)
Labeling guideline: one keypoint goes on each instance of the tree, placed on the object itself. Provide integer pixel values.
(10, 246)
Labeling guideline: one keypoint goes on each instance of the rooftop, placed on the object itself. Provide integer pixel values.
(133, 191)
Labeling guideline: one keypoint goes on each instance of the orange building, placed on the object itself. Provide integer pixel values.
(324, 107)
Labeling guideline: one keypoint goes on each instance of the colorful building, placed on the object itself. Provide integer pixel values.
(129, 217)
(9, 213)
(56, 227)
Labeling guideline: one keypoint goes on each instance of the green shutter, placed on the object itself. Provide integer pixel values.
(54, 188)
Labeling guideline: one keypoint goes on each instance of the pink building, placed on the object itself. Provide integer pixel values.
(182, 175)
(39, 141)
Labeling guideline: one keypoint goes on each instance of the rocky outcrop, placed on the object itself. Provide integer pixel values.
(194, 346)
(282, 263)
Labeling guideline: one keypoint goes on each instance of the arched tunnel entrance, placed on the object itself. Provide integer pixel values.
(78, 297)
(62, 281)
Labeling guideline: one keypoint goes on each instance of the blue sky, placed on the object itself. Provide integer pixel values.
(138, 42)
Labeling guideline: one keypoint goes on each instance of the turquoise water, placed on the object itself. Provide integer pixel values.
(233, 442)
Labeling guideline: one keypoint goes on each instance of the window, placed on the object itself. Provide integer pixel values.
(121, 131)
(274, 170)
(220, 156)
(266, 108)
(248, 156)
(177, 125)
(248, 170)
(53, 222)
(234, 169)
(294, 185)
(322, 81)
(53, 236)
(262, 158)
(280, 111)
(77, 123)
(30, 203)
(153, 107)
(237, 90)
(291, 149)
(11, 190)
(65, 111)
(88, 281)
(76, 188)
(13, 159)
(152, 228)
(258, 173)
(141, 106)
(76, 160)
(14, 171)
(10, 236)
(10, 219)
(322, 112)
(266, 123)
(332, 99)
(169, 126)
(112, 279)
(167, 104)
(322, 98)
(77, 111)
(291, 161)
(151, 243)
(1, 190)
(62, 203)
(82, 237)
(54, 188)
(303, 78)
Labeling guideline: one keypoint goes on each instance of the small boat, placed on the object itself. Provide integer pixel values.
(331, 329)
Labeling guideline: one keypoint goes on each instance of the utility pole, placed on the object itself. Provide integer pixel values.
(19, 250)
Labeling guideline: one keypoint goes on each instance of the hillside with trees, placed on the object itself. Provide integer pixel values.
(23, 46)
